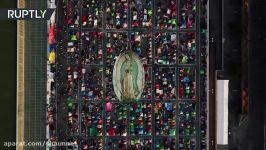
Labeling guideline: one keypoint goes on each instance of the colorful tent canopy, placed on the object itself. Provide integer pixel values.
(52, 35)
(52, 47)
(52, 57)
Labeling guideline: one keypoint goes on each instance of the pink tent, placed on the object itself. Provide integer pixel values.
(109, 106)
(52, 35)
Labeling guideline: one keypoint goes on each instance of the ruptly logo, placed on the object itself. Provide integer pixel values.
(26, 14)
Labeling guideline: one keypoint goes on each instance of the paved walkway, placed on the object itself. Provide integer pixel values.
(20, 78)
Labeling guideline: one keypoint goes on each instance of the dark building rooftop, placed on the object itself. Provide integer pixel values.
(257, 57)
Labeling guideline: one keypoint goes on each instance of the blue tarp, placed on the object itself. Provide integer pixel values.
(52, 47)
(169, 106)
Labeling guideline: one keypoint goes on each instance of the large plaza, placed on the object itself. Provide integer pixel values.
(169, 40)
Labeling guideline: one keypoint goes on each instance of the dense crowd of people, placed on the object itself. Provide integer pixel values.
(92, 119)
(165, 83)
(187, 83)
(165, 143)
(187, 119)
(165, 119)
(141, 43)
(165, 48)
(140, 119)
(92, 13)
(73, 14)
(203, 75)
(187, 14)
(116, 120)
(51, 84)
(116, 14)
(166, 14)
(92, 48)
(141, 13)
(187, 48)
(145, 143)
(116, 43)
(92, 108)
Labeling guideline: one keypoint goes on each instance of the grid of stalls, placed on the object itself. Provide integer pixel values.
(163, 34)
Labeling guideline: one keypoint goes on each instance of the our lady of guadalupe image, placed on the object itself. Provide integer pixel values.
(128, 76)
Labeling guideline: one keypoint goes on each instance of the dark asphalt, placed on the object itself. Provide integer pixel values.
(257, 74)
(232, 33)
(225, 56)
(215, 49)
(8, 77)
(250, 135)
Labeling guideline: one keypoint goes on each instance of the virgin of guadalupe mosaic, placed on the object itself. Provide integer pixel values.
(128, 76)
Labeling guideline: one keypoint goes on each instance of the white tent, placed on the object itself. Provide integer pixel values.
(222, 111)
(52, 19)
(51, 4)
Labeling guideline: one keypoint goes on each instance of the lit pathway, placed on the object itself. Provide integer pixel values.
(20, 78)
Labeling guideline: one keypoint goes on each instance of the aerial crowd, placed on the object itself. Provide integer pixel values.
(93, 34)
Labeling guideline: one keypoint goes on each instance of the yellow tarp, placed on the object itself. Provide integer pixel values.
(52, 57)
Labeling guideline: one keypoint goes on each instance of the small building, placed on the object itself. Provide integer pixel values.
(222, 112)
